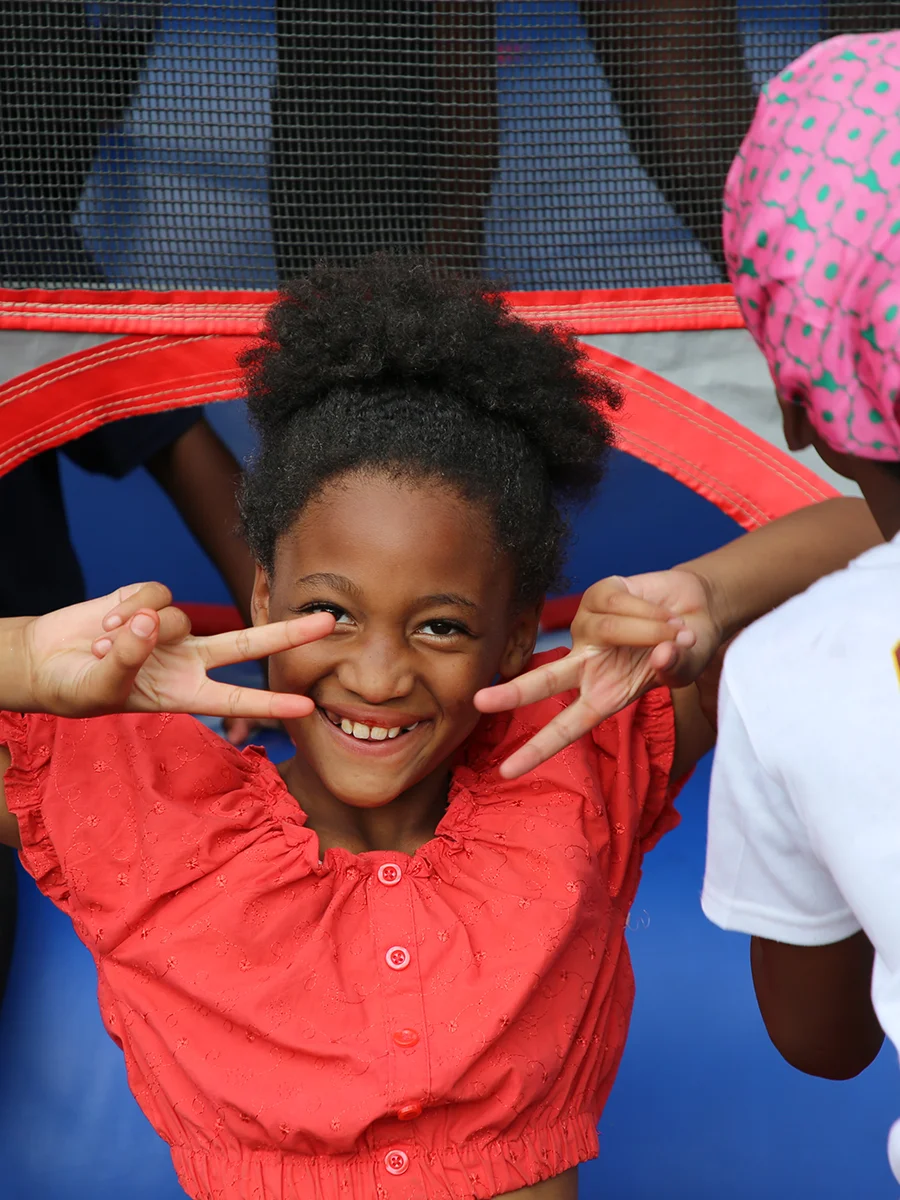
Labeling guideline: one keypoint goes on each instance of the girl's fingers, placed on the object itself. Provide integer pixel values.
(115, 674)
(174, 626)
(254, 704)
(572, 723)
(612, 596)
(611, 630)
(539, 684)
(130, 599)
(672, 665)
(262, 641)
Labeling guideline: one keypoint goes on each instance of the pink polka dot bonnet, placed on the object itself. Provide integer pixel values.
(812, 239)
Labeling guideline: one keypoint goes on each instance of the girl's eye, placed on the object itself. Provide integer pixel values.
(339, 614)
(442, 629)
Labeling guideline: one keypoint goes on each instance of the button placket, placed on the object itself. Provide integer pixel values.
(394, 936)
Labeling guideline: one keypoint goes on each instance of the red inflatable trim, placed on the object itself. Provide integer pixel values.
(743, 475)
(626, 310)
(633, 310)
(703, 448)
(210, 619)
(130, 376)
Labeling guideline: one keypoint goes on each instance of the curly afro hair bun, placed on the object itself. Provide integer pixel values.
(388, 364)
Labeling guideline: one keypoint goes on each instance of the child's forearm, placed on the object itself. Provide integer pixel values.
(756, 573)
(15, 689)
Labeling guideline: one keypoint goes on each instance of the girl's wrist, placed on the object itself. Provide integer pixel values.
(16, 684)
(720, 609)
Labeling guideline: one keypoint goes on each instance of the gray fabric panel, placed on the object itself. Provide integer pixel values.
(723, 367)
(22, 350)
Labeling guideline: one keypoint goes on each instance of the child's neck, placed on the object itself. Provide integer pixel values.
(404, 824)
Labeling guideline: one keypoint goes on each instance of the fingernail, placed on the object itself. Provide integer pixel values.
(675, 621)
(113, 621)
(142, 625)
(102, 647)
(684, 638)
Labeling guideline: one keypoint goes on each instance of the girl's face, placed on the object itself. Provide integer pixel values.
(425, 617)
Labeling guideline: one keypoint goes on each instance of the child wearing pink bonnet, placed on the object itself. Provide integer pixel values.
(804, 840)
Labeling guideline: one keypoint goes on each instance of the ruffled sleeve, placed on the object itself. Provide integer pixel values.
(636, 748)
(115, 812)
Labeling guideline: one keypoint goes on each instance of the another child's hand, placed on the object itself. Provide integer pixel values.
(147, 660)
(628, 636)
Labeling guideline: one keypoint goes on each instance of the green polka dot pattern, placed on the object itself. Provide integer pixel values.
(812, 238)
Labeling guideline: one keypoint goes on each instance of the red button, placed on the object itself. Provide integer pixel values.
(398, 958)
(406, 1037)
(396, 1161)
(389, 874)
(409, 1112)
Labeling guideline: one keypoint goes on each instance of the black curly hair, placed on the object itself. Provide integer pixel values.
(387, 366)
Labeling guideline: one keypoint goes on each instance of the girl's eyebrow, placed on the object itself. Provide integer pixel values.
(340, 583)
(446, 598)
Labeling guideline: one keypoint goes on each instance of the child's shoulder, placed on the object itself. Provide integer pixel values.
(133, 747)
(826, 648)
(839, 618)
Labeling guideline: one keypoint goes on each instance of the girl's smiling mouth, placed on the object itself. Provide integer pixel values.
(369, 732)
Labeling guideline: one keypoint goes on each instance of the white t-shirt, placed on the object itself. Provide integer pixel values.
(804, 825)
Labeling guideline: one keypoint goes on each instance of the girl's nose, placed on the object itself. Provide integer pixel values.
(377, 669)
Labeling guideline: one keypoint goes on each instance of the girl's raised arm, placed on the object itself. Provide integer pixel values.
(665, 628)
(70, 663)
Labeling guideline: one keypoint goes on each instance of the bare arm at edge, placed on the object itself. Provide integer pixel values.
(816, 1003)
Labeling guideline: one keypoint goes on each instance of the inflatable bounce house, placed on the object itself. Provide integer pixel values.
(163, 165)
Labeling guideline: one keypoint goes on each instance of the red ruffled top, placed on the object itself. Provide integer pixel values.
(446, 1024)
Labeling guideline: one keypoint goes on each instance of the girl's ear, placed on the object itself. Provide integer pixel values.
(520, 643)
(259, 600)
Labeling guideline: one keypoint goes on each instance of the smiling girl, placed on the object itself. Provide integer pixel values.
(395, 967)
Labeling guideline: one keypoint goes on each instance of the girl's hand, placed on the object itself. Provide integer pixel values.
(147, 660)
(628, 636)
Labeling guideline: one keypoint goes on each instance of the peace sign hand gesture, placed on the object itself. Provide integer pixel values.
(147, 660)
(628, 636)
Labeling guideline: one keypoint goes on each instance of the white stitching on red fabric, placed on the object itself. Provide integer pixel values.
(150, 402)
(684, 412)
(112, 351)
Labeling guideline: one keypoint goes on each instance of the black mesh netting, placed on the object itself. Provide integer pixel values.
(551, 143)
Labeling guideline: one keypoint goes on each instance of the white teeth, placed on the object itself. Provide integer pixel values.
(375, 733)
